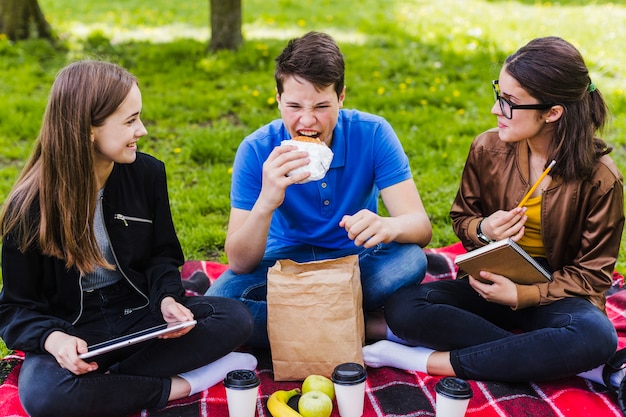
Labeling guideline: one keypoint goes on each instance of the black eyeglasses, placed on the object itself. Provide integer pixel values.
(507, 107)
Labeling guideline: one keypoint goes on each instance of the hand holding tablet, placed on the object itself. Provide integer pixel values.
(133, 338)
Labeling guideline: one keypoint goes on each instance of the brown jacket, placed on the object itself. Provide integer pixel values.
(581, 221)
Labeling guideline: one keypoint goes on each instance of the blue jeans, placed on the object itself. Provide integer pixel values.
(138, 376)
(488, 341)
(384, 269)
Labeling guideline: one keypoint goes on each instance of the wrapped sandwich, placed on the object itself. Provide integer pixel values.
(319, 154)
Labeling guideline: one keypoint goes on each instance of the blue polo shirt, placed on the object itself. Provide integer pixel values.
(368, 157)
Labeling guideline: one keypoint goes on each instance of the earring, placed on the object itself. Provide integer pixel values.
(547, 120)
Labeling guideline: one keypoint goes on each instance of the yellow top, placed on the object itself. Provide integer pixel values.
(531, 241)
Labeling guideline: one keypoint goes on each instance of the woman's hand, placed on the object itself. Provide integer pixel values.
(504, 224)
(501, 290)
(65, 349)
(173, 312)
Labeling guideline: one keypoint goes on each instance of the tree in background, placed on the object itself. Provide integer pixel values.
(225, 24)
(23, 19)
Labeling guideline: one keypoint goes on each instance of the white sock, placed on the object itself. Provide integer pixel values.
(387, 353)
(595, 375)
(208, 375)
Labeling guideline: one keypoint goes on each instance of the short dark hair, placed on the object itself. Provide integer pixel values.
(552, 70)
(315, 57)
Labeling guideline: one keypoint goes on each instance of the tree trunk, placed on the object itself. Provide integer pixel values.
(225, 24)
(23, 19)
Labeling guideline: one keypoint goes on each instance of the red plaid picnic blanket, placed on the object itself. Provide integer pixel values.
(392, 392)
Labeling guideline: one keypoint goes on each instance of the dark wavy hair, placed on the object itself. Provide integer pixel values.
(315, 57)
(552, 70)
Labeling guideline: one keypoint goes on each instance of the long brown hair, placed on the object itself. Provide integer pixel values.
(52, 204)
(553, 71)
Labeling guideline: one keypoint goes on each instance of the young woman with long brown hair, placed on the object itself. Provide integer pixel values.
(90, 253)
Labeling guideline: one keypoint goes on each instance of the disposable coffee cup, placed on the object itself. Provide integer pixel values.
(349, 381)
(453, 395)
(242, 387)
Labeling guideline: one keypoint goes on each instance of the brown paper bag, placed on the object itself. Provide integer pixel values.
(314, 316)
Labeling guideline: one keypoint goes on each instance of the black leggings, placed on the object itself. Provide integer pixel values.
(136, 377)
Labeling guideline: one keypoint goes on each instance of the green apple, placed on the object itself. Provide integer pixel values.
(319, 383)
(315, 404)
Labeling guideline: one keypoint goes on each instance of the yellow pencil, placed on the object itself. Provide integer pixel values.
(536, 184)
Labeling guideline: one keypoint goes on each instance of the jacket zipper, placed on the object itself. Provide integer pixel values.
(126, 219)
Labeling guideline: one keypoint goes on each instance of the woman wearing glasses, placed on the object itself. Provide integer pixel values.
(547, 109)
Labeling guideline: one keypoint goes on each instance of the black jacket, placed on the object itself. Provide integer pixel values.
(40, 295)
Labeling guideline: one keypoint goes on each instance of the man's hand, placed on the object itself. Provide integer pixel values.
(368, 229)
(281, 161)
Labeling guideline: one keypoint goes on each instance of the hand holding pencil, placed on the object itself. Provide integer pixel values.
(536, 184)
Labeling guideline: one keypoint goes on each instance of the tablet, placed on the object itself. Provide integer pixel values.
(133, 338)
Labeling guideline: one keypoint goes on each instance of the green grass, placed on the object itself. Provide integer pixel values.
(424, 65)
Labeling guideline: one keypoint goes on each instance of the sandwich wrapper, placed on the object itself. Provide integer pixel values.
(320, 156)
